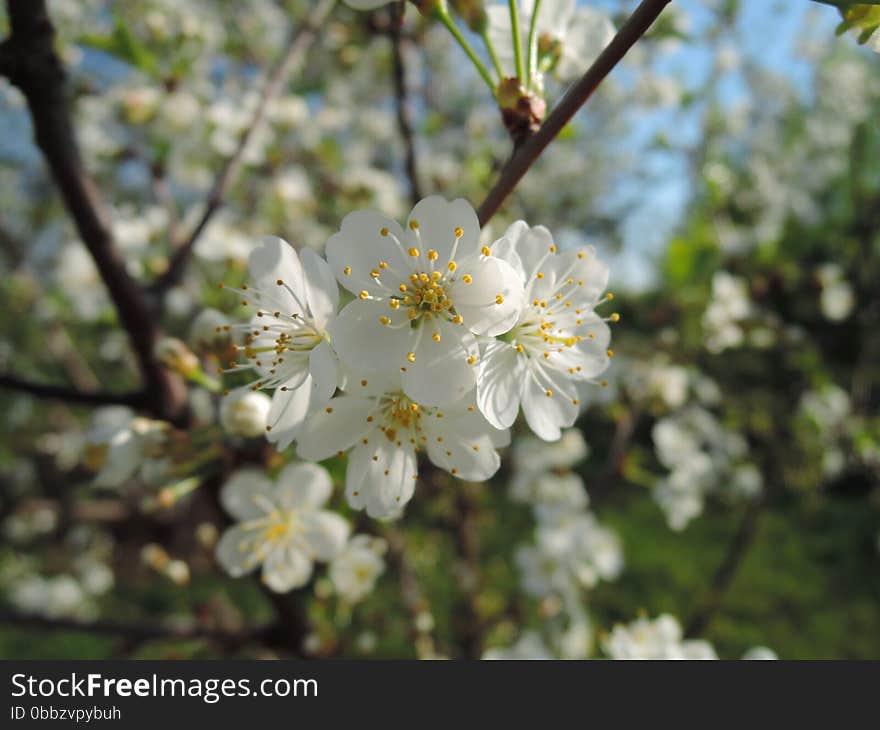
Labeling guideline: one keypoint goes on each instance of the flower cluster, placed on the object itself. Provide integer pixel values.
(444, 340)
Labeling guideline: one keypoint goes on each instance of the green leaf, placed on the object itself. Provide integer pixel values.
(125, 46)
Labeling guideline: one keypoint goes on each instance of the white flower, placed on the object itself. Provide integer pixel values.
(837, 301)
(558, 342)
(550, 491)
(119, 444)
(280, 526)
(354, 571)
(295, 298)
(657, 639)
(244, 413)
(729, 306)
(588, 551)
(529, 646)
(423, 296)
(534, 456)
(760, 653)
(210, 327)
(569, 37)
(384, 429)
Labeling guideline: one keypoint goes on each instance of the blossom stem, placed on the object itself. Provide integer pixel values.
(517, 41)
(526, 154)
(533, 44)
(444, 17)
(490, 47)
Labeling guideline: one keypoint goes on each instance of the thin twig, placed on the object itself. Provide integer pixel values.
(404, 108)
(739, 547)
(526, 155)
(31, 64)
(135, 630)
(134, 399)
(298, 45)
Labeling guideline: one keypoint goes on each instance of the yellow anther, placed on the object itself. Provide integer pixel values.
(385, 320)
(576, 402)
(383, 265)
(459, 231)
(467, 278)
(436, 337)
(412, 314)
(280, 282)
(476, 447)
(432, 255)
(364, 383)
(610, 353)
(394, 303)
(471, 360)
(364, 294)
(402, 287)
(581, 254)
(546, 355)
(414, 252)
(375, 273)
(347, 271)
(548, 393)
(615, 317)
(539, 275)
(435, 276)
(383, 231)
(452, 266)
(458, 319)
(609, 296)
(603, 383)
(414, 225)
(485, 251)
(499, 299)
(519, 348)
(329, 410)
(552, 249)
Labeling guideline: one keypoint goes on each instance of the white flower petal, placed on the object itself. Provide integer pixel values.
(322, 292)
(276, 259)
(326, 533)
(364, 343)
(323, 367)
(547, 414)
(441, 373)
(464, 444)
(336, 428)
(303, 486)
(491, 303)
(244, 495)
(286, 568)
(359, 246)
(500, 384)
(381, 476)
(437, 220)
(238, 550)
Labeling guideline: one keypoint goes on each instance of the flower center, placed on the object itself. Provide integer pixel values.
(402, 417)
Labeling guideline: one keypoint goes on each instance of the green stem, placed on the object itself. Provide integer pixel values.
(492, 54)
(533, 43)
(445, 18)
(517, 41)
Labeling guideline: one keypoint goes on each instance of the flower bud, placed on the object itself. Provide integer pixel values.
(209, 329)
(176, 356)
(244, 413)
(474, 14)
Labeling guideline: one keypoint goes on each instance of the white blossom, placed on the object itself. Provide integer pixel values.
(557, 344)
(354, 571)
(384, 429)
(423, 295)
(281, 526)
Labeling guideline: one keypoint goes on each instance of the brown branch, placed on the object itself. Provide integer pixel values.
(298, 45)
(739, 547)
(135, 631)
(134, 399)
(525, 156)
(404, 108)
(30, 62)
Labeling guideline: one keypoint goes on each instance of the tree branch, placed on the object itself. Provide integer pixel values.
(736, 552)
(298, 45)
(525, 156)
(134, 399)
(136, 631)
(30, 62)
(404, 108)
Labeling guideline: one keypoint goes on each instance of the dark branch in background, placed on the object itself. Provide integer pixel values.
(31, 64)
(136, 631)
(134, 399)
(467, 622)
(736, 552)
(298, 45)
(525, 156)
(404, 108)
